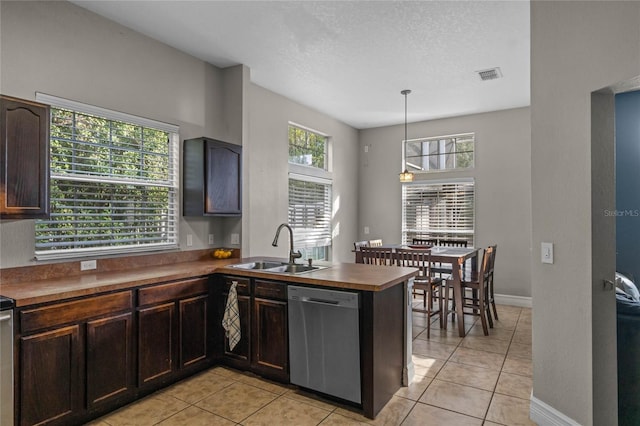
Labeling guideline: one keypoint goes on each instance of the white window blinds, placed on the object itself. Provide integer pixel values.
(310, 213)
(439, 210)
(113, 184)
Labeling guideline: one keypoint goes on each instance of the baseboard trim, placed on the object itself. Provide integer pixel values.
(506, 299)
(545, 415)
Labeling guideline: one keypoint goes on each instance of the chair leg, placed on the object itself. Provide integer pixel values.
(483, 319)
(493, 305)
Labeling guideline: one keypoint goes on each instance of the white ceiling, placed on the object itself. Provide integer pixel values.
(351, 59)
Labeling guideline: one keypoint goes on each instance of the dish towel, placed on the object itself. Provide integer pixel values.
(231, 318)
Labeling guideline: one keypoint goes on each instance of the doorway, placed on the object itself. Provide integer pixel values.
(603, 249)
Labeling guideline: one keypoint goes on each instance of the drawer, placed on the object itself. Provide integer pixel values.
(243, 284)
(76, 311)
(172, 291)
(270, 290)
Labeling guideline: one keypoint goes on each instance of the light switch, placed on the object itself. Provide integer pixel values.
(547, 253)
(366, 230)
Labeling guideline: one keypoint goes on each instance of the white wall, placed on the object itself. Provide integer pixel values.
(503, 186)
(576, 48)
(267, 175)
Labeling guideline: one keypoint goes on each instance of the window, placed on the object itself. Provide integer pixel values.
(438, 210)
(307, 148)
(113, 183)
(439, 153)
(310, 198)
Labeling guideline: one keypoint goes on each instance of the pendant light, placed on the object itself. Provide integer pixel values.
(405, 176)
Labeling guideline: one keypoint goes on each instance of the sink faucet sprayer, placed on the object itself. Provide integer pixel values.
(293, 255)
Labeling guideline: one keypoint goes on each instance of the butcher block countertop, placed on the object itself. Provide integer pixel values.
(344, 275)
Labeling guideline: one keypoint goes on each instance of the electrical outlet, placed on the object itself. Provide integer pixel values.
(87, 265)
(189, 240)
(546, 252)
(235, 238)
(211, 240)
(366, 230)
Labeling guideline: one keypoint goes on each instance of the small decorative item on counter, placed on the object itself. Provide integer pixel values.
(222, 253)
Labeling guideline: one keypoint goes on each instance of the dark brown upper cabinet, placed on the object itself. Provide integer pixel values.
(212, 178)
(24, 159)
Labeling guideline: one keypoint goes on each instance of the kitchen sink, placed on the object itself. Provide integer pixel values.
(260, 264)
(278, 267)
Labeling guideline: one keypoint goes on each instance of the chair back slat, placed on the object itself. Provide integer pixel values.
(375, 243)
(420, 259)
(377, 256)
(425, 241)
(453, 243)
(358, 244)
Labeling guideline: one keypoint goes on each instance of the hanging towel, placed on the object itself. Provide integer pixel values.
(231, 318)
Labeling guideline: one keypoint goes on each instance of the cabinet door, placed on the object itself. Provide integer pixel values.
(224, 179)
(193, 330)
(269, 339)
(109, 358)
(239, 356)
(155, 343)
(51, 386)
(24, 159)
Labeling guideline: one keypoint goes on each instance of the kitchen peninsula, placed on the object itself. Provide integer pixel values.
(156, 324)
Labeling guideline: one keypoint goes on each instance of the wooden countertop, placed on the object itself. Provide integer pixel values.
(344, 275)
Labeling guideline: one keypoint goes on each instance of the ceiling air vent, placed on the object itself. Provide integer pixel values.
(490, 74)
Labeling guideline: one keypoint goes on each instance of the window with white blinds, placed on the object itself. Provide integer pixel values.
(310, 215)
(439, 210)
(113, 183)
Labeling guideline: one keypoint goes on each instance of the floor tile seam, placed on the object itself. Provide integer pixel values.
(453, 411)
(506, 394)
(174, 414)
(220, 415)
(408, 412)
(486, 350)
(516, 374)
(333, 409)
(204, 397)
(463, 384)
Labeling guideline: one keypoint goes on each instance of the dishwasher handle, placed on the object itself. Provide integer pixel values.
(5, 317)
(322, 301)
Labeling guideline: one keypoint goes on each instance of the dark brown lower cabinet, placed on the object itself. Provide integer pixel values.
(75, 358)
(172, 330)
(109, 358)
(193, 339)
(270, 330)
(79, 359)
(264, 346)
(155, 343)
(51, 386)
(239, 357)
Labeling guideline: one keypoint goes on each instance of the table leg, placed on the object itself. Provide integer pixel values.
(457, 294)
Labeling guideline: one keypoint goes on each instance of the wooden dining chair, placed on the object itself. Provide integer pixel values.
(375, 243)
(476, 301)
(445, 271)
(453, 243)
(425, 241)
(430, 285)
(490, 296)
(358, 244)
(377, 256)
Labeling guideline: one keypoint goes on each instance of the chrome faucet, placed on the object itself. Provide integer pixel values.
(293, 255)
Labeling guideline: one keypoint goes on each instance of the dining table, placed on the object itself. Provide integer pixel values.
(460, 258)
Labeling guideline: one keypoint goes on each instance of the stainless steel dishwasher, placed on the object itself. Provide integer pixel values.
(324, 341)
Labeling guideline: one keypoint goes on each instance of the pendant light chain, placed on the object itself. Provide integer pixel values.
(406, 175)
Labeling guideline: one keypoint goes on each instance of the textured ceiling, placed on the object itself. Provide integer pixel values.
(351, 59)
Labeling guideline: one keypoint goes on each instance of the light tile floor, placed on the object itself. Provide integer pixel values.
(473, 380)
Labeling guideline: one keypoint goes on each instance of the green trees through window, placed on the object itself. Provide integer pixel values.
(113, 186)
